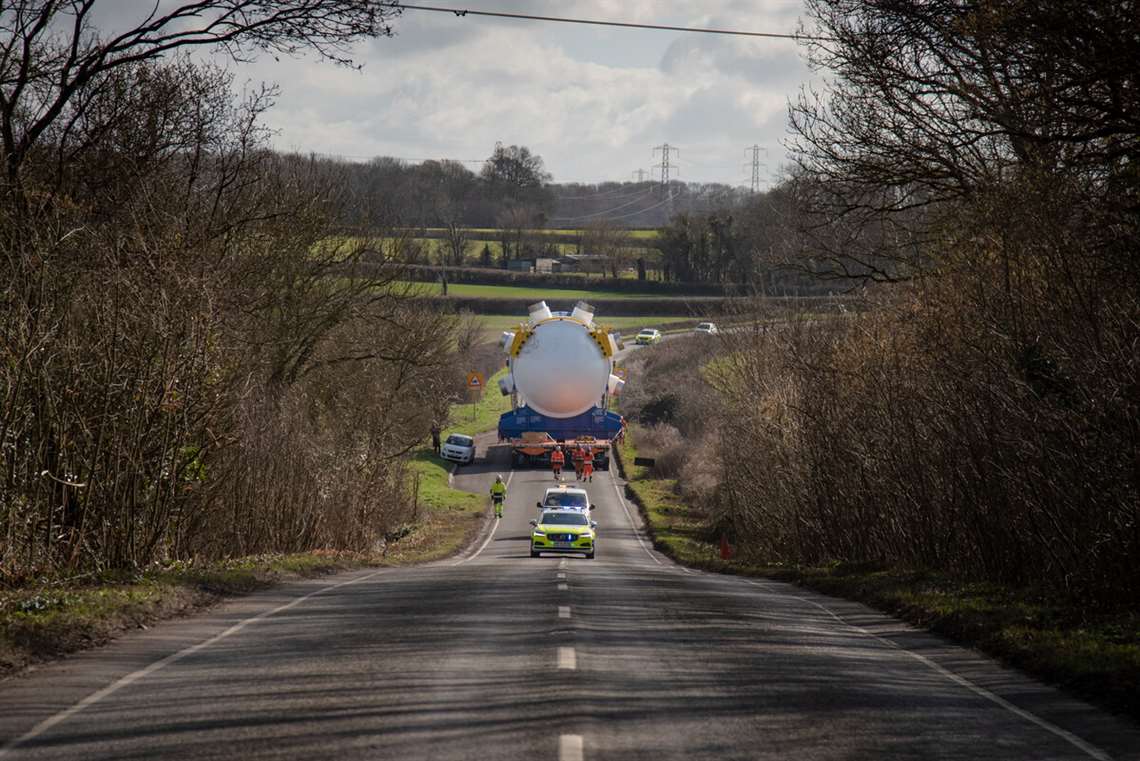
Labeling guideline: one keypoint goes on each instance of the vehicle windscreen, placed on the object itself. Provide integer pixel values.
(566, 500)
(704, 326)
(646, 333)
(459, 441)
(565, 519)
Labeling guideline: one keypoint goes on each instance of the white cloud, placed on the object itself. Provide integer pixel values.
(591, 101)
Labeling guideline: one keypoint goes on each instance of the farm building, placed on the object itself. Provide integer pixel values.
(539, 265)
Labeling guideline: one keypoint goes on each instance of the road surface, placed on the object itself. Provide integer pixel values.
(499, 656)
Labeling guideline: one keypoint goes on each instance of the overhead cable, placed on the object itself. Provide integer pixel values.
(596, 22)
(601, 193)
(607, 211)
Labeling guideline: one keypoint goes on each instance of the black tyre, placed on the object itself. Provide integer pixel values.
(534, 553)
(589, 556)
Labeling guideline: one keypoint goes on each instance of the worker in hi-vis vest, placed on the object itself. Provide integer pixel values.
(498, 494)
(557, 460)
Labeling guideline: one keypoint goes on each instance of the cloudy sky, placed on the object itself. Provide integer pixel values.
(592, 101)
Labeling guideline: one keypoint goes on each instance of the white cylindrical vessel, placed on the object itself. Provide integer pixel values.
(560, 370)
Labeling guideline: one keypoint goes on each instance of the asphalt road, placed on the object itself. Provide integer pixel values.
(499, 656)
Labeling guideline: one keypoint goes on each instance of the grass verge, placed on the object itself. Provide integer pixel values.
(481, 415)
(1096, 658)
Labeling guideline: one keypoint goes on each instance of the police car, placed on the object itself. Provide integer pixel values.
(563, 531)
(565, 497)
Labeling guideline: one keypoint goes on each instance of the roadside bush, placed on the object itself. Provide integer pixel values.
(667, 385)
(665, 444)
(919, 435)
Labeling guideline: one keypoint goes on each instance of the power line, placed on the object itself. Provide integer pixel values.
(640, 174)
(600, 195)
(595, 22)
(607, 211)
(659, 204)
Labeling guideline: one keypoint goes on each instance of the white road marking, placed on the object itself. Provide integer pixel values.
(135, 676)
(1085, 747)
(563, 587)
(632, 523)
(567, 658)
(570, 748)
(491, 535)
(561, 575)
(564, 611)
(562, 563)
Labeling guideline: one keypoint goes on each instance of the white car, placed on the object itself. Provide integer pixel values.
(706, 327)
(565, 498)
(458, 448)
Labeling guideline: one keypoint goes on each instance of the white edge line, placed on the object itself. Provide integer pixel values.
(1085, 747)
(134, 676)
(564, 611)
(490, 536)
(632, 523)
(570, 748)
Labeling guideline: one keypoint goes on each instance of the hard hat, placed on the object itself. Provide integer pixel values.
(498, 478)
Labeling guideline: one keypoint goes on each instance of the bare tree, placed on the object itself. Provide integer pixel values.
(51, 56)
(456, 235)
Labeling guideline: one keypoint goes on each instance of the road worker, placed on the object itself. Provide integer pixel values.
(498, 494)
(557, 460)
(588, 469)
(579, 456)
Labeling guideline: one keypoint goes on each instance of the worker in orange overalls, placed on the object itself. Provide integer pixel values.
(588, 469)
(579, 456)
(557, 460)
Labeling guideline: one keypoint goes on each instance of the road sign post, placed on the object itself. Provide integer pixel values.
(475, 384)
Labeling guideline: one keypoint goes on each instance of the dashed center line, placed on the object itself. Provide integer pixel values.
(563, 587)
(562, 576)
(567, 658)
(570, 748)
(564, 611)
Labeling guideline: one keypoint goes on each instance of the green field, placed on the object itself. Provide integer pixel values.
(530, 293)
